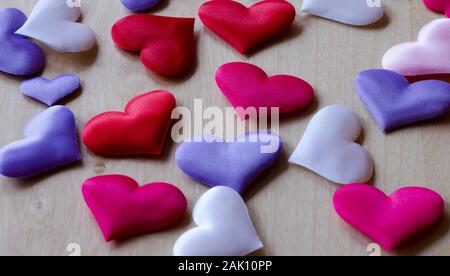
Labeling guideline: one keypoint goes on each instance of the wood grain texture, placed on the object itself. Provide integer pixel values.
(291, 207)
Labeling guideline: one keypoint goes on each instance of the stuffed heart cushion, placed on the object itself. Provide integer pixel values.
(247, 86)
(166, 44)
(141, 129)
(441, 6)
(388, 220)
(245, 28)
(124, 209)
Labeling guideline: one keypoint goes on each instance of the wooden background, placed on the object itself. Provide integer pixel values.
(290, 206)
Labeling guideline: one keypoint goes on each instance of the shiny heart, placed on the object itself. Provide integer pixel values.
(441, 6)
(244, 28)
(50, 91)
(388, 220)
(351, 12)
(224, 227)
(18, 55)
(429, 55)
(50, 142)
(393, 102)
(328, 148)
(124, 209)
(237, 164)
(141, 129)
(247, 86)
(52, 22)
(139, 5)
(166, 44)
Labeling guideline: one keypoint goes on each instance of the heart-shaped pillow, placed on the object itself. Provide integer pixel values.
(441, 6)
(139, 5)
(166, 44)
(388, 220)
(244, 28)
(124, 209)
(328, 148)
(141, 129)
(224, 227)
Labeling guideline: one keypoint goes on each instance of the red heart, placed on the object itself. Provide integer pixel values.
(244, 27)
(166, 43)
(140, 130)
(441, 6)
(123, 209)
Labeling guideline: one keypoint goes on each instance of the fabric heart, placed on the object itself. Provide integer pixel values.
(50, 142)
(441, 6)
(141, 129)
(167, 44)
(18, 55)
(388, 220)
(393, 102)
(351, 12)
(328, 149)
(429, 55)
(224, 227)
(244, 28)
(214, 162)
(50, 91)
(124, 209)
(139, 5)
(247, 86)
(52, 22)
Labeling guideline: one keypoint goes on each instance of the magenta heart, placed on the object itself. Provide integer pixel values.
(440, 6)
(50, 91)
(247, 86)
(388, 220)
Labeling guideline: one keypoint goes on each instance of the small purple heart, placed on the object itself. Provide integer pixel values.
(50, 91)
(394, 102)
(234, 164)
(50, 142)
(139, 5)
(18, 55)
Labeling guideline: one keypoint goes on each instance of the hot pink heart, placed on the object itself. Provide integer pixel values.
(247, 86)
(441, 6)
(123, 209)
(388, 220)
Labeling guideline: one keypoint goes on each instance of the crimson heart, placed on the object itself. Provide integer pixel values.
(166, 43)
(123, 209)
(441, 6)
(243, 27)
(141, 129)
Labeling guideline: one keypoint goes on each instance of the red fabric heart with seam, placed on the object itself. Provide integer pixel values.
(243, 27)
(141, 129)
(166, 43)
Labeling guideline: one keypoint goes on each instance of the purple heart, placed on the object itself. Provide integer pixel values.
(50, 142)
(394, 102)
(139, 5)
(50, 91)
(234, 164)
(18, 55)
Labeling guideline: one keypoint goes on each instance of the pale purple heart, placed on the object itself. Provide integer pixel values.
(50, 142)
(139, 5)
(50, 91)
(393, 102)
(234, 164)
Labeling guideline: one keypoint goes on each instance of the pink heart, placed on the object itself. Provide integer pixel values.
(123, 209)
(388, 220)
(246, 86)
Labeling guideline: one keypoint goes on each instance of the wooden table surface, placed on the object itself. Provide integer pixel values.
(290, 206)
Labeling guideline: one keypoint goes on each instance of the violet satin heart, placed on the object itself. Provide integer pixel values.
(18, 55)
(393, 102)
(50, 142)
(50, 91)
(139, 5)
(234, 164)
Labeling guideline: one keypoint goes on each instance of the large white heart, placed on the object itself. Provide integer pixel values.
(352, 12)
(328, 148)
(224, 227)
(52, 22)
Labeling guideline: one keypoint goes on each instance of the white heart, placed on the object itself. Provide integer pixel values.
(328, 148)
(352, 12)
(52, 22)
(224, 227)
